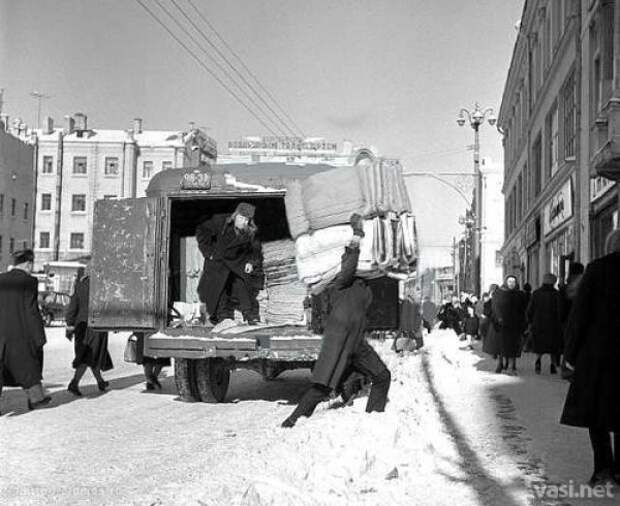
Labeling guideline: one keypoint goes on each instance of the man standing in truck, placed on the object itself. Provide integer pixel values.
(231, 252)
(344, 347)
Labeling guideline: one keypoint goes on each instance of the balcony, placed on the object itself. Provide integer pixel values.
(606, 157)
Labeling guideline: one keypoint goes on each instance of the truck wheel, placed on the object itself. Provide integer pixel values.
(212, 379)
(184, 373)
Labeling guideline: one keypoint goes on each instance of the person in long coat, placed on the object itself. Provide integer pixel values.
(490, 339)
(544, 320)
(593, 352)
(410, 326)
(231, 251)
(509, 311)
(90, 346)
(568, 292)
(429, 313)
(22, 333)
(344, 347)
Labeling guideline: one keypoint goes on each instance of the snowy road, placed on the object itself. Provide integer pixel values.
(453, 431)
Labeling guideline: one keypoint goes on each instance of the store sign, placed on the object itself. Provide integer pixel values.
(599, 186)
(283, 144)
(560, 208)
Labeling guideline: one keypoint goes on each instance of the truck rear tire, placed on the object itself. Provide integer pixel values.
(212, 378)
(184, 378)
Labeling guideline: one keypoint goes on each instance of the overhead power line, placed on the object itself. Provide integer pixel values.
(206, 68)
(234, 69)
(246, 68)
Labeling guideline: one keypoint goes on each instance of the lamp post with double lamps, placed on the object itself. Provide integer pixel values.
(476, 118)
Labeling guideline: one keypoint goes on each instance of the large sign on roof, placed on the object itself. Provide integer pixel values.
(282, 144)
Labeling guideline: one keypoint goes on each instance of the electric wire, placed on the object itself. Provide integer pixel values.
(205, 67)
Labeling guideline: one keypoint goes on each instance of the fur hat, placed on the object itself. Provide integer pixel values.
(245, 209)
(23, 256)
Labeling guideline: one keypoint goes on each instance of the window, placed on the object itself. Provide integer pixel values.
(11, 245)
(46, 202)
(537, 168)
(79, 165)
(568, 99)
(557, 21)
(554, 137)
(147, 170)
(78, 203)
(76, 240)
(111, 166)
(26, 210)
(166, 165)
(48, 165)
(13, 206)
(44, 240)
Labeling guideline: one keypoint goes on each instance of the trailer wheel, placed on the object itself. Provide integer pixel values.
(212, 379)
(184, 378)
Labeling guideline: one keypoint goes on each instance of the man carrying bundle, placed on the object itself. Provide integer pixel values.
(344, 347)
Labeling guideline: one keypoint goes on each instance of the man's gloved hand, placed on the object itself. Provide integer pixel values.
(357, 223)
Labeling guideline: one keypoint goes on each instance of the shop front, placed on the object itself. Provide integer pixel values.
(603, 213)
(558, 231)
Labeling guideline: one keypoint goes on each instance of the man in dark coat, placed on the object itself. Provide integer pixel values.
(593, 352)
(429, 313)
(509, 311)
(490, 339)
(568, 292)
(90, 347)
(22, 334)
(543, 317)
(231, 252)
(344, 347)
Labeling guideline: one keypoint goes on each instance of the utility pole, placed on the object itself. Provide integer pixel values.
(39, 97)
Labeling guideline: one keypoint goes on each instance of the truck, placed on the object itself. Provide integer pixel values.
(136, 274)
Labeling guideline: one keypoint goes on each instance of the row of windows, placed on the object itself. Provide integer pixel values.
(78, 201)
(11, 246)
(13, 207)
(111, 166)
(76, 240)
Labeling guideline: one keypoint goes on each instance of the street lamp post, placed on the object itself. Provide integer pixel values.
(476, 118)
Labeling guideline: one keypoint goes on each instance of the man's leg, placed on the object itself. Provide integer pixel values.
(367, 361)
(315, 394)
(241, 291)
(225, 307)
(601, 449)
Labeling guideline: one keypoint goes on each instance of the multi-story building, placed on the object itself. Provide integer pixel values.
(600, 121)
(437, 283)
(492, 222)
(16, 190)
(293, 150)
(539, 117)
(78, 165)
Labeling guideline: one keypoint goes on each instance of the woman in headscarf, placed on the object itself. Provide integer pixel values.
(593, 352)
(90, 346)
(509, 310)
(232, 253)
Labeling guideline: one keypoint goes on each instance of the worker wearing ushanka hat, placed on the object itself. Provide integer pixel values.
(231, 252)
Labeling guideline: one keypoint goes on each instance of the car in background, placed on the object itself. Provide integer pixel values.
(53, 306)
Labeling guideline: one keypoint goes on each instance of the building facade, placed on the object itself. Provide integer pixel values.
(293, 150)
(539, 118)
(77, 165)
(437, 283)
(492, 233)
(16, 190)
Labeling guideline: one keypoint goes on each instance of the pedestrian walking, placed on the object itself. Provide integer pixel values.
(568, 293)
(482, 317)
(231, 252)
(490, 340)
(344, 347)
(593, 352)
(410, 326)
(509, 310)
(470, 326)
(545, 326)
(22, 334)
(429, 313)
(90, 346)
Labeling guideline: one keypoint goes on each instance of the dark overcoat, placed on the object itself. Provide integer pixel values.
(543, 317)
(593, 348)
(22, 334)
(91, 347)
(490, 338)
(410, 316)
(225, 251)
(350, 298)
(509, 310)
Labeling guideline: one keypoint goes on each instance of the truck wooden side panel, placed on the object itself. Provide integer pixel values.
(125, 264)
